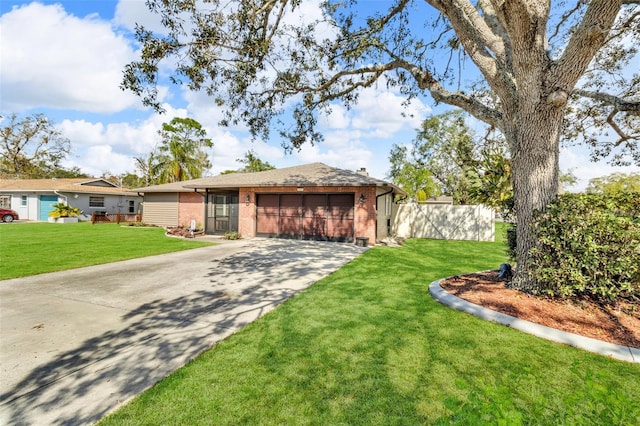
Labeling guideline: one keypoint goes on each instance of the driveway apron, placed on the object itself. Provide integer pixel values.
(75, 345)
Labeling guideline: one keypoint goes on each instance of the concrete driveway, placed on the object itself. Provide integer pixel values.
(77, 344)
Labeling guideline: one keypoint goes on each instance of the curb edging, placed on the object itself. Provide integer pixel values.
(623, 353)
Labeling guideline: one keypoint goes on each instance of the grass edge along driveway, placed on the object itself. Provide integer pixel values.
(35, 248)
(368, 345)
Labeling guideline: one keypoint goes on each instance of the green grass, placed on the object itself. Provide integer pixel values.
(34, 248)
(368, 345)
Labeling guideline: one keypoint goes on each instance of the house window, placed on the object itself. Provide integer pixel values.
(5, 201)
(23, 201)
(96, 201)
(132, 206)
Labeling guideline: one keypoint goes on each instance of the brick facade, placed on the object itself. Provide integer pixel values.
(191, 207)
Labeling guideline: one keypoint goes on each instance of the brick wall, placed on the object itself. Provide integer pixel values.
(191, 207)
(364, 214)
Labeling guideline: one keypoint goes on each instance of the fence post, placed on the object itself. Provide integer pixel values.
(118, 217)
(93, 218)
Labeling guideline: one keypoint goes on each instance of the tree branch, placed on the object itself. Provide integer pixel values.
(621, 105)
(426, 81)
(616, 128)
(588, 38)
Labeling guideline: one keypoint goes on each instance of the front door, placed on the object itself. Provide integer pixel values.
(222, 213)
(46, 205)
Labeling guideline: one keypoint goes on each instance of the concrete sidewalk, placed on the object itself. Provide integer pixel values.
(77, 344)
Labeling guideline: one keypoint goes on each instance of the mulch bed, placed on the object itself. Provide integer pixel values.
(615, 324)
(181, 231)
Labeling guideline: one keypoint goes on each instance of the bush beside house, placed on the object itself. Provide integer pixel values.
(63, 213)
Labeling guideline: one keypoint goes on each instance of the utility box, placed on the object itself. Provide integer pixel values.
(362, 241)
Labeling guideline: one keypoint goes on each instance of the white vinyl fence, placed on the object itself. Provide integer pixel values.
(443, 222)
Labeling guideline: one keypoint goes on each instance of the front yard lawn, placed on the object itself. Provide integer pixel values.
(34, 248)
(369, 346)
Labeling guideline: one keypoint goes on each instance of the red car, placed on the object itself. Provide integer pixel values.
(8, 215)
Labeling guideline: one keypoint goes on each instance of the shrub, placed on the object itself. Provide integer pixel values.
(141, 225)
(589, 244)
(233, 235)
(64, 210)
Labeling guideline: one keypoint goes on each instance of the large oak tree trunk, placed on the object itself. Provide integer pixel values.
(535, 151)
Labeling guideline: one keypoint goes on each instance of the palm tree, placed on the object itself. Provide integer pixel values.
(181, 155)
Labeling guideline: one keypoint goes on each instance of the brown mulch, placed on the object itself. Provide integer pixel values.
(182, 231)
(619, 324)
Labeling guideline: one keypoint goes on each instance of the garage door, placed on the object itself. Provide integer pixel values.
(306, 216)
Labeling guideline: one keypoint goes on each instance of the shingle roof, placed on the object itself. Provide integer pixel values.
(79, 185)
(315, 174)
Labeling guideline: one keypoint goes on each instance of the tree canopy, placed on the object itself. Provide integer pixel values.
(182, 153)
(615, 183)
(535, 70)
(252, 163)
(32, 148)
(447, 157)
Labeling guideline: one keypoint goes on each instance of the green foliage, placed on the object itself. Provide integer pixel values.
(232, 235)
(412, 177)
(445, 147)
(615, 183)
(181, 155)
(490, 182)
(141, 225)
(64, 210)
(260, 61)
(40, 247)
(447, 158)
(256, 58)
(253, 164)
(368, 345)
(589, 244)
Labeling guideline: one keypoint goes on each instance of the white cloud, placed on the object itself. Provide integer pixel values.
(101, 158)
(338, 118)
(383, 113)
(131, 12)
(577, 160)
(53, 59)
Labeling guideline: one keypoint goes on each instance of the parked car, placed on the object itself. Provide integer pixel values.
(8, 215)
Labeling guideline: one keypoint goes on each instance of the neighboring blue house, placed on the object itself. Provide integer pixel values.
(32, 198)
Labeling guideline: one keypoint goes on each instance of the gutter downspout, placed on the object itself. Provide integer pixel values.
(377, 209)
(66, 199)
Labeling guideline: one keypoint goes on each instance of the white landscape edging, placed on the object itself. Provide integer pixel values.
(624, 353)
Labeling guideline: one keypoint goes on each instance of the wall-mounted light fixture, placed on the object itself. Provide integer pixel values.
(361, 199)
(247, 199)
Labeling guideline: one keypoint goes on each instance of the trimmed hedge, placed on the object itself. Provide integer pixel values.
(589, 244)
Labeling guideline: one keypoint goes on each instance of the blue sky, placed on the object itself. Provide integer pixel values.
(65, 59)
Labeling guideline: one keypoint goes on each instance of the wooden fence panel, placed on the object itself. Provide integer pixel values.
(115, 217)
